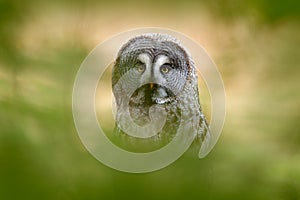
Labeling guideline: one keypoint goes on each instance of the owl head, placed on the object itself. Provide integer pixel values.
(159, 65)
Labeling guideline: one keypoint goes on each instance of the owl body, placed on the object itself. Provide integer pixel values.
(159, 72)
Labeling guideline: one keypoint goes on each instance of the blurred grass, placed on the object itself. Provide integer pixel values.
(256, 47)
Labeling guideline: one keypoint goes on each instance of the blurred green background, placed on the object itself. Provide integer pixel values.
(256, 46)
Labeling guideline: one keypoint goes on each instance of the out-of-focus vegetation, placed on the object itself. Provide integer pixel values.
(256, 47)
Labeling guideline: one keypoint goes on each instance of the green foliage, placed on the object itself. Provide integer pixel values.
(42, 45)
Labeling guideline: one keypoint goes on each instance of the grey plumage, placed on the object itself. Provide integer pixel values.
(171, 83)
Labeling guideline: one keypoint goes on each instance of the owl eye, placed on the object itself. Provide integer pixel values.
(165, 68)
(140, 67)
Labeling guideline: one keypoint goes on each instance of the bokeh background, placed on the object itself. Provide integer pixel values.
(256, 46)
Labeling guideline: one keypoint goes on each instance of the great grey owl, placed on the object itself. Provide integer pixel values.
(162, 74)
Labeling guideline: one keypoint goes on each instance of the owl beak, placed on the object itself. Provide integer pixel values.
(151, 86)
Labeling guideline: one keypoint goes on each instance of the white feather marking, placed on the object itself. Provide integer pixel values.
(144, 58)
(162, 59)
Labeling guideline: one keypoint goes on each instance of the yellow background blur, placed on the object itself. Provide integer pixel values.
(255, 44)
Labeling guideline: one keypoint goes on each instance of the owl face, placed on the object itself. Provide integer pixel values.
(158, 66)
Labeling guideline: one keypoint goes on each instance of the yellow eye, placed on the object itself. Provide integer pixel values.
(140, 68)
(165, 69)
